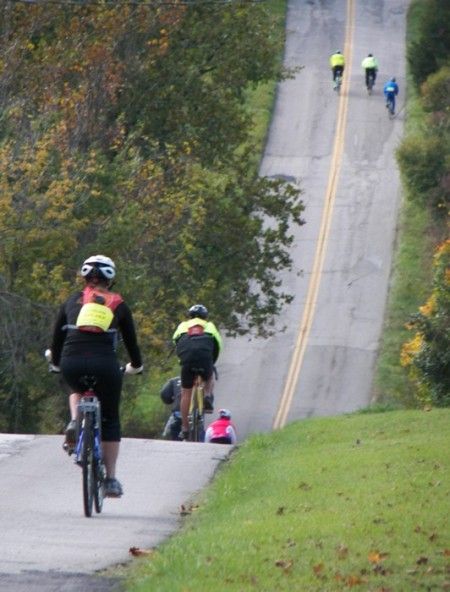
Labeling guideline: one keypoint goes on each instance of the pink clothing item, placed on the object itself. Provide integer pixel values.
(220, 430)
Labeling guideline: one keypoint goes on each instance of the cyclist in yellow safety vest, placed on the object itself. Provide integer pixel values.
(198, 344)
(370, 65)
(337, 63)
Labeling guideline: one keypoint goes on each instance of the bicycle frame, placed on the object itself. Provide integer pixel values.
(196, 411)
(88, 404)
(390, 105)
(88, 451)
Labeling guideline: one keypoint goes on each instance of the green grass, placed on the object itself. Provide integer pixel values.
(410, 287)
(322, 505)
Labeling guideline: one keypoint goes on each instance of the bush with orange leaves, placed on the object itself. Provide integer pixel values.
(427, 355)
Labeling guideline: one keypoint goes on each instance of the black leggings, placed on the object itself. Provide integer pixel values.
(335, 70)
(107, 371)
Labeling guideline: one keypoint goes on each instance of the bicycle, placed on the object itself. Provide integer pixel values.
(88, 448)
(370, 83)
(337, 80)
(390, 105)
(197, 410)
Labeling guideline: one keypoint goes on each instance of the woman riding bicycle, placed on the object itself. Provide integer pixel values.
(198, 344)
(84, 344)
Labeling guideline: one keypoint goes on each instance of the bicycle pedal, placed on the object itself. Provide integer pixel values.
(69, 448)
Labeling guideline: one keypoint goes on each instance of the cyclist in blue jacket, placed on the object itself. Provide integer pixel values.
(390, 92)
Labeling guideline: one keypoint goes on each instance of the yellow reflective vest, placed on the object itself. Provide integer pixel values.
(337, 59)
(370, 62)
(208, 327)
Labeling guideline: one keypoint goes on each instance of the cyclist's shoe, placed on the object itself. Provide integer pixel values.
(70, 432)
(113, 488)
(184, 436)
(209, 403)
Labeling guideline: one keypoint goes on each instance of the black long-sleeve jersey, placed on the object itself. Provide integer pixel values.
(68, 341)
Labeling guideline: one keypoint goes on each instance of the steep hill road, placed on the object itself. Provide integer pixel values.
(341, 152)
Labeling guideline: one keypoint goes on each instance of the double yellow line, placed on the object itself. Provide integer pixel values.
(314, 284)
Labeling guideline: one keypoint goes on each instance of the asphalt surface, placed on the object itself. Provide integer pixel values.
(337, 370)
(46, 543)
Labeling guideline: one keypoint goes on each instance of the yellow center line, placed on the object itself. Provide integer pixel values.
(319, 258)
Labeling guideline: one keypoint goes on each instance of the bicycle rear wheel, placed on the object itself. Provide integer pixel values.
(196, 425)
(87, 463)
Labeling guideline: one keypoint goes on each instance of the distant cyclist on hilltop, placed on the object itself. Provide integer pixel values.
(337, 63)
(370, 65)
(390, 91)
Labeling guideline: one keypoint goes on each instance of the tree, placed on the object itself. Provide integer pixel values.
(432, 48)
(124, 130)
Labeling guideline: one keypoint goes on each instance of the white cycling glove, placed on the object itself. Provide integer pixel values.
(51, 366)
(129, 369)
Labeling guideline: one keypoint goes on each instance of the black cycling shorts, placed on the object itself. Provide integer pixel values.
(107, 371)
(189, 370)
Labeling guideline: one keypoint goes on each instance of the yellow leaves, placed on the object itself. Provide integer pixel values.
(429, 307)
(377, 556)
(410, 349)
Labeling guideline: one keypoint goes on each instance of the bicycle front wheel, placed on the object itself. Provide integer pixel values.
(87, 463)
(99, 478)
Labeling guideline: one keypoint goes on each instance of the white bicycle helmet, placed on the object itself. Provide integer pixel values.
(99, 264)
(225, 413)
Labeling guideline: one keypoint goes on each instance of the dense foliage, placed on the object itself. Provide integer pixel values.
(429, 50)
(424, 160)
(124, 130)
(427, 354)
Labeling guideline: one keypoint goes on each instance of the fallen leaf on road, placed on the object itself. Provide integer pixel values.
(137, 552)
(186, 511)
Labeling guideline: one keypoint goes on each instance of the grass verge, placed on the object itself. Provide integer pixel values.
(322, 505)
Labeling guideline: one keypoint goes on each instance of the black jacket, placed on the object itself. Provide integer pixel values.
(72, 342)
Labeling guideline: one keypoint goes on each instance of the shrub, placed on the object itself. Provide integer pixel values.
(427, 354)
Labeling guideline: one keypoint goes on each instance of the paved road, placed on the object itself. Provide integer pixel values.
(336, 373)
(46, 543)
